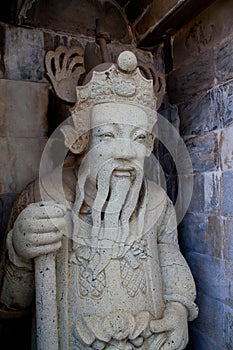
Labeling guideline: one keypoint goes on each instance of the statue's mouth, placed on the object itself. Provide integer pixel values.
(126, 171)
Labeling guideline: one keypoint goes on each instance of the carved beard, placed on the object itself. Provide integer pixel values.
(117, 212)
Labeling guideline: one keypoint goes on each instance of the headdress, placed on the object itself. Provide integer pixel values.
(121, 83)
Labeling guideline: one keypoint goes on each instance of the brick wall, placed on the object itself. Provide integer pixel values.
(201, 86)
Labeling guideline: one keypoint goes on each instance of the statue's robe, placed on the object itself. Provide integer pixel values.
(116, 306)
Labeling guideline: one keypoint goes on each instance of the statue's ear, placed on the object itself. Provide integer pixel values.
(73, 140)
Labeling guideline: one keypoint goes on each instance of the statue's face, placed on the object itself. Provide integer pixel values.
(121, 135)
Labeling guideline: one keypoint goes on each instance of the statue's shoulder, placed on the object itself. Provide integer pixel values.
(156, 195)
(157, 200)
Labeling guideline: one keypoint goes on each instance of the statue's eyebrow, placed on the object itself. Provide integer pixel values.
(105, 127)
(139, 128)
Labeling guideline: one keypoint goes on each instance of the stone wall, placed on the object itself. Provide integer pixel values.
(201, 86)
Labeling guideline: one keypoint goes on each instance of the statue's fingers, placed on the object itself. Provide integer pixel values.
(162, 325)
(45, 238)
(43, 225)
(44, 249)
(43, 210)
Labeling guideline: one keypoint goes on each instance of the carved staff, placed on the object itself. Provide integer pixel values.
(46, 302)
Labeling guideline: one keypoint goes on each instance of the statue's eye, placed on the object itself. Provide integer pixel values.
(140, 137)
(107, 135)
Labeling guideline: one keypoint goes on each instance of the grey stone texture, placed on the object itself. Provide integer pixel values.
(23, 132)
(201, 86)
(192, 78)
(206, 30)
(204, 152)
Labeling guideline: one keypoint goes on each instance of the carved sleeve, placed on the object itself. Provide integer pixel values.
(18, 278)
(178, 281)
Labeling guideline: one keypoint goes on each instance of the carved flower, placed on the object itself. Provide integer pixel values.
(123, 88)
(119, 324)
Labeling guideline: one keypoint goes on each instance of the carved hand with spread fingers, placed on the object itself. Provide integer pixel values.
(64, 68)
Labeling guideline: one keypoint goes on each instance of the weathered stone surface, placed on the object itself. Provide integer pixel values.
(52, 40)
(207, 112)
(228, 237)
(198, 115)
(20, 158)
(157, 11)
(23, 108)
(191, 79)
(6, 202)
(202, 234)
(192, 233)
(212, 192)
(226, 149)
(210, 27)
(203, 151)
(212, 275)
(79, 17)
(224, 67)
(197, 203)
(227, 198)
(228, 327)
(211, 321)
(224, 104)
(24, 55)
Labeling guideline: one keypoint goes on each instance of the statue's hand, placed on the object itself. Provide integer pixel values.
(38, 229)
(174, 323)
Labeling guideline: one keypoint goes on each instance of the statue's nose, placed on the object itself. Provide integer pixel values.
(127, 150)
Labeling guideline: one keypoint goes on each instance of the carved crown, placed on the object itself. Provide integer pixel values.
(121, 83)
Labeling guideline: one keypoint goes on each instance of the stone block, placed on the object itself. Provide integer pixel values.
(198, 195)
(226, 191)
(213, 110)
(204, 152)
(198, 115)
(228, 237)
(23, 108)
(212, 192)
(24, 54)
(210, 321)
(157, 12)
(222, 101)
(228, 327)
(202, 234)
(191, 79)
(19, 162)
(66, 16)
(211, 276)
(192, 233)
(52, 40)
(226, 149)
(209, 28)
(224, 66)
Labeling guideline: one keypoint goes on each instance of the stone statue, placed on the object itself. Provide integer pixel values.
(121, 281)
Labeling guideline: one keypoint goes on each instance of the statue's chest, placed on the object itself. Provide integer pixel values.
(127, 290)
